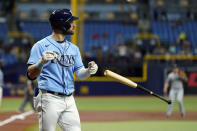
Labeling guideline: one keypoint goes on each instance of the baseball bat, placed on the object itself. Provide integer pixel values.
(130, 83)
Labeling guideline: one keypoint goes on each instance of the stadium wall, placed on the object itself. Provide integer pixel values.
(155, 81)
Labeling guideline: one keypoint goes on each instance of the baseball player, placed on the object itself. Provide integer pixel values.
(53, 60)
(175, 81)
(28, 97)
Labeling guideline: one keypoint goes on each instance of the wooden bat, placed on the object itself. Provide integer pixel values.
(130, 83)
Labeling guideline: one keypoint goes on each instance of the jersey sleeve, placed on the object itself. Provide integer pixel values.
(168, 78)
(78, 61)
(35, 54)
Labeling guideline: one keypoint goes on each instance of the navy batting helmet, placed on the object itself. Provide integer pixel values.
(61, 18)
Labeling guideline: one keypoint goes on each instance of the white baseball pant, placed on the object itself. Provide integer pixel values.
(176, 94)
(53, 110)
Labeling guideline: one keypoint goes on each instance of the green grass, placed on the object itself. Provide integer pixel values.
(111, 103)
(12, 104)
(130, 104)
(133, 126)
(120, 104)
(140, 126)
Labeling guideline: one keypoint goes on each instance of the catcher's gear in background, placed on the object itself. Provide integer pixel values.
(60, 19)
(92, 67)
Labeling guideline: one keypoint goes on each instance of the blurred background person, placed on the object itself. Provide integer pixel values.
(175, 82)
(10, 12)
(28, 97)
(144, 24)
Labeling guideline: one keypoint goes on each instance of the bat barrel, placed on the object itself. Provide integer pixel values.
(120, 78)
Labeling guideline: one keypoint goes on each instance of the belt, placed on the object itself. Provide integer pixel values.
(55, 93)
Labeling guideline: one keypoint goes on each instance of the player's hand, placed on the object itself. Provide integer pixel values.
(31, 92)
(92, 67)
(165, 90)
(47, 56)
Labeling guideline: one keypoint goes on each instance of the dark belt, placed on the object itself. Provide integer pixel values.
(55, 93)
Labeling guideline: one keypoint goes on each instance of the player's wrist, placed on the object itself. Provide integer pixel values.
(39, 65)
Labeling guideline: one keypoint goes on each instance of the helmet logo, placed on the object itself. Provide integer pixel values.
(53, 12)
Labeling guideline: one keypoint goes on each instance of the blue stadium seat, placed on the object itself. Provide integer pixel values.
(111, 29)
(170, 34)
(4, 30)
(163, 29)
(38, 30)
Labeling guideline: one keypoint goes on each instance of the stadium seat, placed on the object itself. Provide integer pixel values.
(4, 30)
(168, 33)
(111, 29)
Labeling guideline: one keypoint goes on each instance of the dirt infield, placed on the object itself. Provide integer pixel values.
(19, 125)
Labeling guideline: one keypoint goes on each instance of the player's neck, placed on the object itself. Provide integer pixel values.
(58, 37)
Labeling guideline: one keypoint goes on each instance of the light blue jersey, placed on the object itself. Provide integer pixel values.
(57, 75)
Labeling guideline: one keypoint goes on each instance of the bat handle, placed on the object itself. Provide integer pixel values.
(152, 93)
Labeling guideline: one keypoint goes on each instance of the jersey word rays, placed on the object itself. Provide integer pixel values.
(65, 60)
